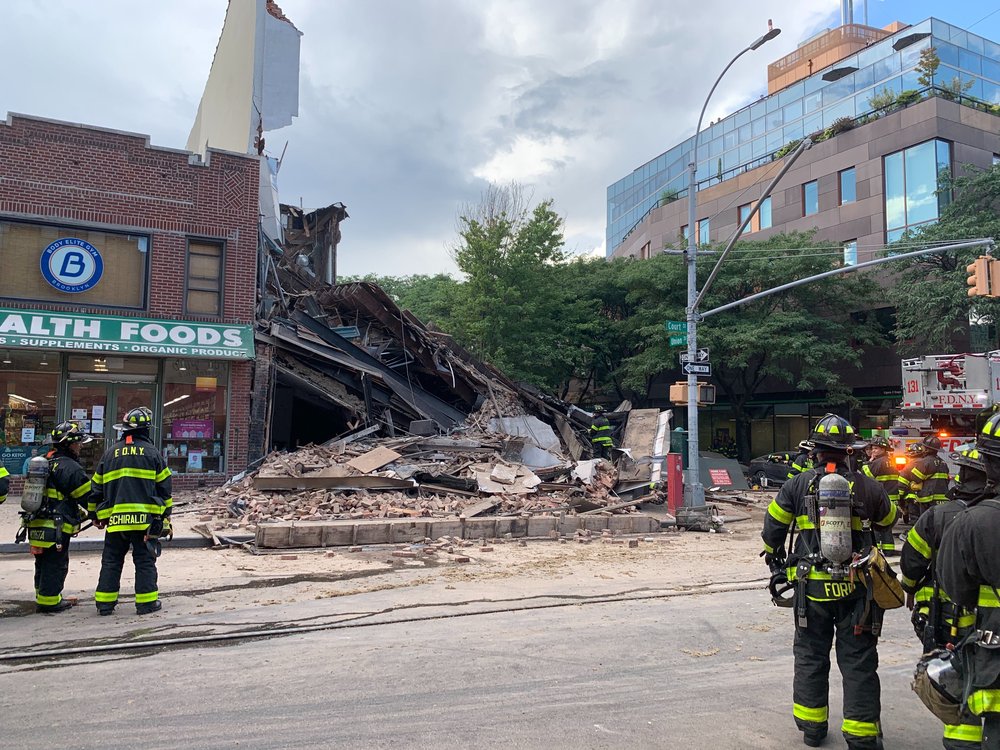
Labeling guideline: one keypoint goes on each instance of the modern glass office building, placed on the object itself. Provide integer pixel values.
(849, 87)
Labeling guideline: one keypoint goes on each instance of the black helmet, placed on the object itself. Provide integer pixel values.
(835, 432)
(930, 444)
(880, 442)
(988, 441)
(598, 409)
(67, 433)
(969, 456)
(139, 418)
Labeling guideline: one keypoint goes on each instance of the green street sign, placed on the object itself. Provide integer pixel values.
(681, 340)
(677, 326)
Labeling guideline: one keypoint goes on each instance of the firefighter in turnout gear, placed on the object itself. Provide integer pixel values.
(62, 509)
(880, 468)
(803, 459)
(832, 507)
(937, 620)
(132, 494)
(4, 483)
(600, 434)
(925, 480)
(968, 568)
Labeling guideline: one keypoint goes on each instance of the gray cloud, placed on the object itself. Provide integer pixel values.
(407, 105)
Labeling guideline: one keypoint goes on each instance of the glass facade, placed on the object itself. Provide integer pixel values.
(189, 398)
(912, 186)
(851, 253)
(195, 405)
(810, 198)
(29, 387)
(749, 137)
(848, 186)
(765, 213)
(704, 231)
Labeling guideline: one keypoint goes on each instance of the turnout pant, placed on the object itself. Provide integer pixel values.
(857, 657)
(991, 732)
(885, 541)
(116, 546)
(51, 569)
(965, 736)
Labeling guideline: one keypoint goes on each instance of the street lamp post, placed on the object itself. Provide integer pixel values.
(695, 490)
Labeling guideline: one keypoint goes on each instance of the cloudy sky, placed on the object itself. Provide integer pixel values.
(408, 107)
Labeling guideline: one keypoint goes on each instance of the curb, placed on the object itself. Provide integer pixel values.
(96, 545)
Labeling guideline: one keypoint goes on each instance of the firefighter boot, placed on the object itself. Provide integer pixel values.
(814, 738)
(148, 609)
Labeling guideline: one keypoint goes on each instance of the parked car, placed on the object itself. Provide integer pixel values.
(770, 470)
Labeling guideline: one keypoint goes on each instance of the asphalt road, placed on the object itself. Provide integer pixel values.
(699, 671)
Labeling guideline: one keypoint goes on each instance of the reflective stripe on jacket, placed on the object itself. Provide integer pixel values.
(600, 431)
(67, 496)
(926, 480)
(791, 503)
(132, 485)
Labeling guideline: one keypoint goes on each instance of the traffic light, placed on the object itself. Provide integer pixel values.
(979, 277)
(679, 394)
(984, 277)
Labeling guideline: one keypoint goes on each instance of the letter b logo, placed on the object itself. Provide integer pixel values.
(73, 265)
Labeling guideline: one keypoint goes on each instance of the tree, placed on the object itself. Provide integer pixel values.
(927, 65)
(800, 337)
(931, 296)
(510, 309)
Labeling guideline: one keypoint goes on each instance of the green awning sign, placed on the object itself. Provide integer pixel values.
(39, 329)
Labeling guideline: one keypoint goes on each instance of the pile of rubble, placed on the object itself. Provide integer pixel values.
(461, 475)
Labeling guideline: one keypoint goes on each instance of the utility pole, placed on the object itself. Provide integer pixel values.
(694, 489)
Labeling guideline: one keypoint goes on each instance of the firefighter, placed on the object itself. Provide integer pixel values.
(968, 567)
(67, 496)
(803, 459)
(830, 603)
(880, 468)
(600, 434)
(4, 483)
(132, 497)
(924, 481)
(937, 621)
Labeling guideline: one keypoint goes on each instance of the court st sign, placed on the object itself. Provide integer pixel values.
(37, 329)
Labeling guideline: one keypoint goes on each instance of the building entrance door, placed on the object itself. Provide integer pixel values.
(97, 405)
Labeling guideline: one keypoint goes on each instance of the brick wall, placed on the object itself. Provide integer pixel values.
(263, 384)
(78, 175)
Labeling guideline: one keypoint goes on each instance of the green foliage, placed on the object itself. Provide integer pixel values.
(668, 196)
(883, 102)
(954, 88)
(511, 308)
(933, 306)
(841, 125)
(908, 97)
(927, 66)
(787, 149)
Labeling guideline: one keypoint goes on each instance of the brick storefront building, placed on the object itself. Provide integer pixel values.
(128, 278)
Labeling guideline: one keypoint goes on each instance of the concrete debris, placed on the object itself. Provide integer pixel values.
(458, 476)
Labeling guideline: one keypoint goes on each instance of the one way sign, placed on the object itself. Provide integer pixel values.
(697, 368)
(701, 356)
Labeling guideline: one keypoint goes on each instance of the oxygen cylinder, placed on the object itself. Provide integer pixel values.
(33, 496)
(834, 501)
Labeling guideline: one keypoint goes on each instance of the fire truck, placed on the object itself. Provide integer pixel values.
(948, 395)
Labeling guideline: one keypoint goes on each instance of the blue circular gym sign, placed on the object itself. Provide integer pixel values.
(72, 265)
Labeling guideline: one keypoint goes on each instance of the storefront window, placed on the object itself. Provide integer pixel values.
(28, 389)
(195, 402)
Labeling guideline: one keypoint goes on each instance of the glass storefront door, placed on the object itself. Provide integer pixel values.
(97, 405)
